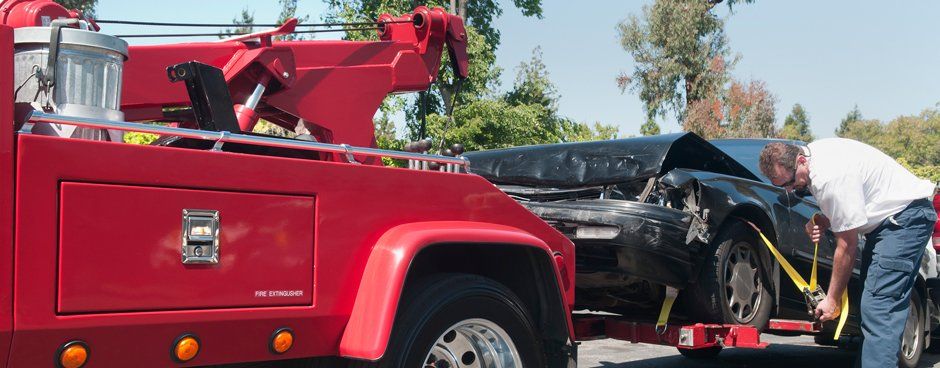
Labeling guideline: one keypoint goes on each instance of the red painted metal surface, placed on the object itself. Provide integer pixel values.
(356, 205)
(374, 312)
(108, 232)
(794, 325)
(694, 336)
(334, 86)
(30, 13)
(6, 192)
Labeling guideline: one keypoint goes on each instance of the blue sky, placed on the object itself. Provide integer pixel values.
(826, 55)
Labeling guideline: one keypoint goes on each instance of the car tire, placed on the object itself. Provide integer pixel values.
(705, 353)
(461, 317)
(912, 340)
(733, 287)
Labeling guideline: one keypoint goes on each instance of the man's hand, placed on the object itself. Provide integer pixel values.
(814, 231)
(829, 309)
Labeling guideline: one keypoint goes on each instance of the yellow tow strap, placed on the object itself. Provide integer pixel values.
(801, 284)
(663, 320)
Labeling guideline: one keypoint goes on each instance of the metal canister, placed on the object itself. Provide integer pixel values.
(87, 77)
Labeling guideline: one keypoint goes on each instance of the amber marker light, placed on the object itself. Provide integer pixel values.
(282, 340)
(186, 348)
(73, 354)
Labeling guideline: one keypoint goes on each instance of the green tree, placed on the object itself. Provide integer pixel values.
(681, 55)
(868, 131)
(482, 41)
(649, 128)
(87, 7)
(533, 85)
(477, 13)
(854, 115)
(572, 131)
(740, 111)
(244, 23)
(526, 114)
(288, 11)
(912, 140)
(750, 111)
(796, 125)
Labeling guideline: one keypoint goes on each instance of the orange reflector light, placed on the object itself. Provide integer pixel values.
(73, 355)
(282, 340)
(187, 346)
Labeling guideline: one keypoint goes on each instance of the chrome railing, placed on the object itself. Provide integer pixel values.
(415, 160)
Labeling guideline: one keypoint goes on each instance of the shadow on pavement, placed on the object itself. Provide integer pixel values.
(779, 355)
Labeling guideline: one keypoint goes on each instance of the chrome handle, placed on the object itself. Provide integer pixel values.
(200, 236)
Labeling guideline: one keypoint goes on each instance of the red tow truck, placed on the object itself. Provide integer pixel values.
(215, 245)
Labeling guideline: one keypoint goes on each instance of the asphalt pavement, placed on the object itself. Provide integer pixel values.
(783, 352)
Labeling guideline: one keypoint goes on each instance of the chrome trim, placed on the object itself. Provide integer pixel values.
(348, 156)
(252, 101)
(226, 137)
(201, 249)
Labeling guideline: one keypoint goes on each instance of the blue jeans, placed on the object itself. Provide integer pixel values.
(890, 263)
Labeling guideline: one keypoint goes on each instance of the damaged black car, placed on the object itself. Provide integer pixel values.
(673, 210)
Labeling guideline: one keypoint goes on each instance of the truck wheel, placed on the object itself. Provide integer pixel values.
(733, 288)
(705, 353)
(912, 340)
(460, 320)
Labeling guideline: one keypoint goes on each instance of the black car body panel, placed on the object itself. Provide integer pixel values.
(669, 195)
(582, 164)
(650, 245)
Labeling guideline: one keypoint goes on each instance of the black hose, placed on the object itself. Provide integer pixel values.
(173, 24)
(240, 34)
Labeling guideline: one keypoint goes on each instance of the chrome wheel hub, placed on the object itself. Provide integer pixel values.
(912, 334)
(743, 284)
(476, 343)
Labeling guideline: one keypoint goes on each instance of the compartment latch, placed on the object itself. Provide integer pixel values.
(200, 236)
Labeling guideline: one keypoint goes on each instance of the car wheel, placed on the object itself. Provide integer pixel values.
(706, 353)
(733, 287)
(460, 320)
(912, 341)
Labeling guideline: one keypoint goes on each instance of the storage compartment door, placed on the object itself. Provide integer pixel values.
(121, 249)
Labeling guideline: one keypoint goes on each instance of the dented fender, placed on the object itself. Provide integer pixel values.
(712, 197)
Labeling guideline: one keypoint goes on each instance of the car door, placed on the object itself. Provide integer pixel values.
(799, 248)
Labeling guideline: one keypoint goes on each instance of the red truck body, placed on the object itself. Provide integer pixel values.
(90, 230)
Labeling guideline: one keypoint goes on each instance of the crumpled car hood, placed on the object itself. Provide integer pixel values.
(580, 164)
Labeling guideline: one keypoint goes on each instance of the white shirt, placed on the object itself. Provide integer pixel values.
(857, 186)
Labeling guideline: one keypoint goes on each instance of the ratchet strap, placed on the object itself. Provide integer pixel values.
(811, 290)
(663, 320)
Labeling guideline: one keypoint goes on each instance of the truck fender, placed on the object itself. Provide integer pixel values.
(373, 314)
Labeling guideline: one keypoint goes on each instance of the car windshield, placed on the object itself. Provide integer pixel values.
(746, 152)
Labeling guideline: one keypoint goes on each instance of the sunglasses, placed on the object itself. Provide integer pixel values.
(791, 181)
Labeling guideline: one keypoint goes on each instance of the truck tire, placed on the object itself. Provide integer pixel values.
(732, 288)
(455, 320)
(912, 340)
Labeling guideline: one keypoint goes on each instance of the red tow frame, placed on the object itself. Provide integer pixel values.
(692, 337)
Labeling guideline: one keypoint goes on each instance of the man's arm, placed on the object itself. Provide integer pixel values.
(842, 264)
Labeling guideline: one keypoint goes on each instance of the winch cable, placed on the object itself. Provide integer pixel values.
(215, 25)
(348, 27)
(239, 34)
(810, 289)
